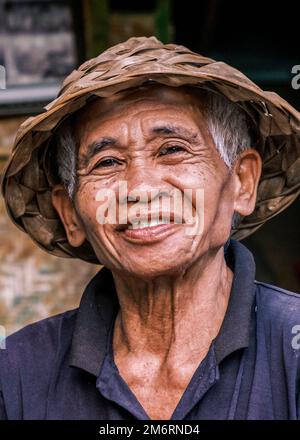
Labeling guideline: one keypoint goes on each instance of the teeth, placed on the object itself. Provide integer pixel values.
(146, 224)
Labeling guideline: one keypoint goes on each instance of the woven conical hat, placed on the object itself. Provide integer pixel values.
(27, 180)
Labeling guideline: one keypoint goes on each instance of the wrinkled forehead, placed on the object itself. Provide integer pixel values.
(155, 96)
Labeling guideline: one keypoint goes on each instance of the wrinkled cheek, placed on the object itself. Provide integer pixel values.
(93, 208)
(220, 207)
(205, 200)
(208, 207)
(87, 209)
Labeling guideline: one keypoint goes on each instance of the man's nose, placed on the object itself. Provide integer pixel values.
(144, 182)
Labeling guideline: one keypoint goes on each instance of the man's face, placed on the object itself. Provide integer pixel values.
(155, 139)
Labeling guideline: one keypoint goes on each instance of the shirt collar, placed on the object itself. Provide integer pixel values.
(99, 306)
(236, 327)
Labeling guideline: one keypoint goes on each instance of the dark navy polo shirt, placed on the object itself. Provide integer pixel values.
(63, 367)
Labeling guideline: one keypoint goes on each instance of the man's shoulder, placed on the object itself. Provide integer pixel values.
(28, 360)
(277, 307)
(276, 297)
(45, 328)
(41, 340)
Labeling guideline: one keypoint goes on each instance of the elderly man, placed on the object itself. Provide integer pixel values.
(174, 326)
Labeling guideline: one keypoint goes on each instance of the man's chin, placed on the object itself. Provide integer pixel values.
(149, 270)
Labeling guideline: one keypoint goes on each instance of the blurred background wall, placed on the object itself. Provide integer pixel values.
(42, 41)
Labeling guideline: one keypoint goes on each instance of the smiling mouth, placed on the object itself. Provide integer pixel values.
(148, 222)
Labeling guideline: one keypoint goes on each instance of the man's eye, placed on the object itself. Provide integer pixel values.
(107, 163)
(170, 150)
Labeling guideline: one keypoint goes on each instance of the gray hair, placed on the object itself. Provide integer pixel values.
(227, 124)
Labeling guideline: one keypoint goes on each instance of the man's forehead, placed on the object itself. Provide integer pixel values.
(153, 97)
(156, 94)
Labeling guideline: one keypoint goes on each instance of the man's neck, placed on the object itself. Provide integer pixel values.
(169, 318)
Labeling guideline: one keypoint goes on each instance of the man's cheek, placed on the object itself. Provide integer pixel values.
(105, 207)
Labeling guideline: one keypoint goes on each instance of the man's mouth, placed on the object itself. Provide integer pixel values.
(150, 228)
(148, 224)
(150, 221)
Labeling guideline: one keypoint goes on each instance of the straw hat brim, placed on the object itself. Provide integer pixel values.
(27, 180)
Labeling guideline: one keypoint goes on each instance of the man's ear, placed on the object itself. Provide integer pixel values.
(247, 171)
(66, 211)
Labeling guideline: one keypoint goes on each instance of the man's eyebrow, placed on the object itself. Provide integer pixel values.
(94, 147)
(169, 130)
